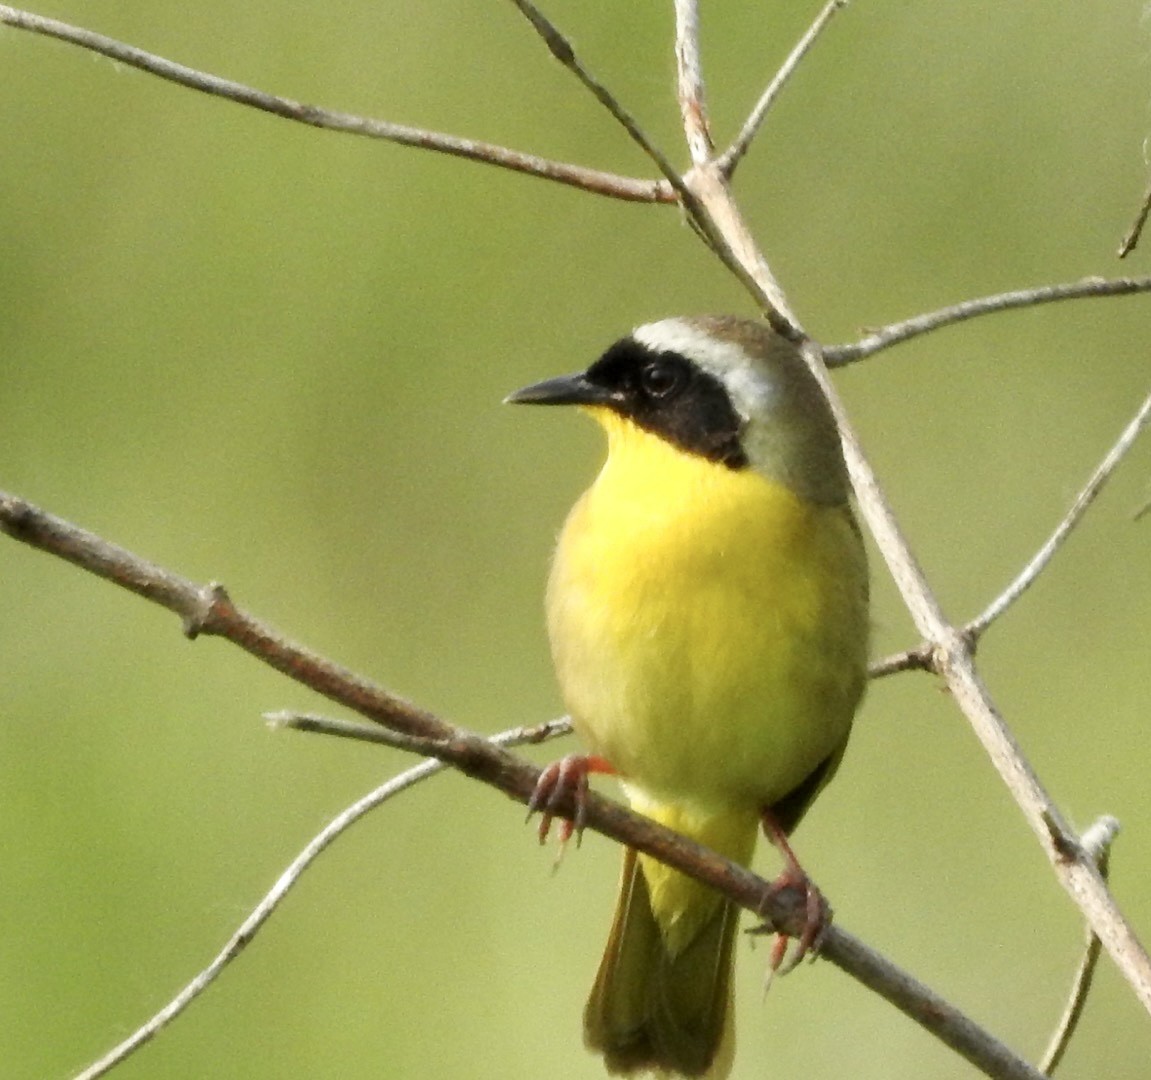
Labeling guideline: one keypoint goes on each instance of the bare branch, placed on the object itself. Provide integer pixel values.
(289, 720)
(593, 180)
(1131, 239)
(562, 50)
(719, 222)
(1097, 842)
(1079, 507)
(291, 876)
(207, 610)
(917, 659)
(920, 1004)
(953, 658)
(733, 155)
(896, 333)
(689, 81)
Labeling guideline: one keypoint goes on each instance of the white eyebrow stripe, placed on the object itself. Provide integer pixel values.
(743, 375)
(678, 335)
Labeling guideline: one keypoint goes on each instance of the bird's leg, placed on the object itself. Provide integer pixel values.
(817, 914)
(562, 781)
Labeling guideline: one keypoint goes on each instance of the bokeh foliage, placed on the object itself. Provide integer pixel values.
(272, 356)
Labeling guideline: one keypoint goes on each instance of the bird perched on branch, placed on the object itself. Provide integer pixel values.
(708, 617)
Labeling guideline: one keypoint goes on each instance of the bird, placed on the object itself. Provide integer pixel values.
(707, 611)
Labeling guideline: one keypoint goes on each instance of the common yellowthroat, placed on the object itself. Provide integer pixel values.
(708, 616)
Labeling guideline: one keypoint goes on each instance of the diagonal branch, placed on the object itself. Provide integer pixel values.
(1079, 507)
(207, 610)
(1131, 238)
(896, 333)
(733, 155)
(260, 914)
(920, 656)
(1097, 841)
(593, 180)
(562, 50)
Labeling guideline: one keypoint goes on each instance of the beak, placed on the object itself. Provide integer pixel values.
(564, 390)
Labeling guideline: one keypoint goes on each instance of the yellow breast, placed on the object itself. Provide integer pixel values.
(709, 628)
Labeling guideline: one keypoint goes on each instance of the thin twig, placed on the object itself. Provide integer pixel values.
(917, 659)
(689, 82)
(837, 356)
(1096, 843)
(562, 50)
(207, 610)
(593, 180)
(1129, 242)
(733, 155)
(1083, 500)
(290, 720)
(291, 876)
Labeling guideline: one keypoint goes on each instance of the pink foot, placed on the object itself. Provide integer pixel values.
(817, 913)
(565, 781)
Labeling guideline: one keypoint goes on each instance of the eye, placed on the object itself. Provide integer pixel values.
(660, 378)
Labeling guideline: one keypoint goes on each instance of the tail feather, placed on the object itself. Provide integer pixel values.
(651, 1008)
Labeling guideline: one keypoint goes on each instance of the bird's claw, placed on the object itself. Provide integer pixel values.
(816, 919)
(817, 912)
(564, 783)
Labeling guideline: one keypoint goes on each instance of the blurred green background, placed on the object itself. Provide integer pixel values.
(272, 356)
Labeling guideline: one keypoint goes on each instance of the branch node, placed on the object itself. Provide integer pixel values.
(539, 733)
(1098, 838)
(19, 517)
(209, 600)
(1066, 845)
(954, 644)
